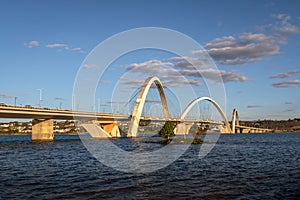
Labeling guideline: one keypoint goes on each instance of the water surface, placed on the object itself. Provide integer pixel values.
(241, 166)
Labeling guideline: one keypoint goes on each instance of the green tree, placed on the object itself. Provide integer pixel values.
(199, 132)
(167, 131)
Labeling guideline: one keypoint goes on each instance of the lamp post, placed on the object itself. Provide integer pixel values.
(98, 106)
(40, 102)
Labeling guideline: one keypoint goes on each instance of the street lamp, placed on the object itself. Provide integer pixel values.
(98, 106)
(40, 102)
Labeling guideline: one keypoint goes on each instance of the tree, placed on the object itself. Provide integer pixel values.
(200, 131)
(167, 131)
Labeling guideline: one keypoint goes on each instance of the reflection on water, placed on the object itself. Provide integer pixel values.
(239, 166)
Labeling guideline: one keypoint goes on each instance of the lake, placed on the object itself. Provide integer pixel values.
(241, 166)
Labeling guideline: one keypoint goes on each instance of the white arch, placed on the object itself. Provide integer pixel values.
(188, 108)
(138, 108)
(234, 119)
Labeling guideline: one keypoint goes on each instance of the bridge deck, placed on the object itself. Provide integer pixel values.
(47, 113)
(19, 112)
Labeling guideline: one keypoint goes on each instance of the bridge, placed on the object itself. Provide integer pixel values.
(42, 123)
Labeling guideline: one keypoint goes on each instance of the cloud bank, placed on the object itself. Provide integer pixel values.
(251, 47)
(247, 48)
(61, 46)
(286, 75)
(286, 84)
(182, 70)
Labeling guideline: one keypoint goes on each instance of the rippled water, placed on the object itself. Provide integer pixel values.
(242, 166)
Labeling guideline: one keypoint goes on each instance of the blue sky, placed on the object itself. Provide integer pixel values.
(255, 45)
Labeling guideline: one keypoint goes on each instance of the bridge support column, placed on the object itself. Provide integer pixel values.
(112, 129)
(42, 129)
(245, 130)
(183, 128)
(225, 129)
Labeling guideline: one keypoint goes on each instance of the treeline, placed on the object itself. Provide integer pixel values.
(284, 125)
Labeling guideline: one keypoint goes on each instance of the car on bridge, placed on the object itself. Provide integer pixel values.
(28, 106)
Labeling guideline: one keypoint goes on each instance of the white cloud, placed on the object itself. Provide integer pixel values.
(281, 76)
(256, 37)
(60, 46)
(89, 66)
(186, 62)
(226, 41)
(242, 40)
(286, 84)
(56, 45)
(169, 74)
(287, 29)
(33, 43)
(251, 47)
(216, 75)
(65, 47)
(232, 76)
(76, 49)
(283, 17)
(153, 66)
(246, 48)
(286, 75)
(283, 26)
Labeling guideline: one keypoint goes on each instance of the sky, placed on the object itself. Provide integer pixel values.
(254, 44)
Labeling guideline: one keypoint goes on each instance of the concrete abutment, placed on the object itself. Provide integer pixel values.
(42, 130)
(183, 128)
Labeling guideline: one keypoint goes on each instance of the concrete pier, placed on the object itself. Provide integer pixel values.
(42, 130)
(112, 129)
(183, 128)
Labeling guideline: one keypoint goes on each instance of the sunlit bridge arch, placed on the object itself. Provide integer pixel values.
(234, 120)
(197, 100)
(138, 108)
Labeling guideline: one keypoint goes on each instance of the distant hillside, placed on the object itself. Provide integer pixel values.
(279, 125)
